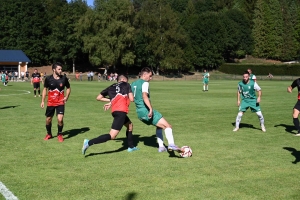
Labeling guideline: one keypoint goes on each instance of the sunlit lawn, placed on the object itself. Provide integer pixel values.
(247, 164)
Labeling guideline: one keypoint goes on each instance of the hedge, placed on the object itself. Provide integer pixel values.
(262, 69)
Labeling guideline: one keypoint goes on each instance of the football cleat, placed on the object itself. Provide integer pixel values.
(235, 129)
(132, 149)
(48, 137)
(162, 149)
(174, 148)
(60, 138)
(85, 146)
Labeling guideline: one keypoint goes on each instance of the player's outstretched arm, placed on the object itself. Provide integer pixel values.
(289, 89)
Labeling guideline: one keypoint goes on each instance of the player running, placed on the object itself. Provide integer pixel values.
(120, 95)
(246, 91)
(35, 81)
(147, 114)
(55, 84)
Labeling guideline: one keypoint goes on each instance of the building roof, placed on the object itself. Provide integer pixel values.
(13, 56)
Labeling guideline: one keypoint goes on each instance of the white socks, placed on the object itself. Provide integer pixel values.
(238, 119)
(169, 135)
(261, 118)
(160, 137)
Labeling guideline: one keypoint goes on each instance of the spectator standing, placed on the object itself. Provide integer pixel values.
(22, 75)
(27, 75)
(99, 77)
(80, 76)
(89, 76)
(92, 75)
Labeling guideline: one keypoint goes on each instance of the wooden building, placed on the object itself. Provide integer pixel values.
(13, 60)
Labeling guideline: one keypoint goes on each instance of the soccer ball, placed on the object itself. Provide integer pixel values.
(186, 152)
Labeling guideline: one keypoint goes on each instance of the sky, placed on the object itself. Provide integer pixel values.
(89, 2)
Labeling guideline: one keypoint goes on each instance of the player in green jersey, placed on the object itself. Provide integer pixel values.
(146, 113)
(252, 76)
(246, 98)
(205, 77)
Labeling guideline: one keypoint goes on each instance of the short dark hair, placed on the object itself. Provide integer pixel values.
(246, 72)
(146, 69)
(56, 64)
(121, 76)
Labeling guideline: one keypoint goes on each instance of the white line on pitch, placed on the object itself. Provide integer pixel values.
(25, 92)
(8, 195)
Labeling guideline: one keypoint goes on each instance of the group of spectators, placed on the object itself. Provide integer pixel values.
(91, 74)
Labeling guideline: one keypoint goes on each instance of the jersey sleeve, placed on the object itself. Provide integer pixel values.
(239, 88)
(128, 88)
(105, 92)
(254, 77)
(295, 83)
(256, 87)
(46, 83)
(67, 83)
(145, 87)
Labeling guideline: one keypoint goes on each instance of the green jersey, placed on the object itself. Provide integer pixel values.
(252, 77)
(248, 91)
(3, 76)
(206, 75)
(137, 90)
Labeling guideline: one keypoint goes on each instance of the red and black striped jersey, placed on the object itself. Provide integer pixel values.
(118, 94)
(56, 89)
(36, 77)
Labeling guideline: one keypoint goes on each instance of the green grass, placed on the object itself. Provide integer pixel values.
(247, 164)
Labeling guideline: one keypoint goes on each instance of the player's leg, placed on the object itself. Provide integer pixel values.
(243, 107)
(256, 108)
(119, 119)
(38, 88)
(34, 89)
(49, 115)
(295, 117)
(162, 123)
(160, 139)
(203, 86)
(60, 111)
(129, 128)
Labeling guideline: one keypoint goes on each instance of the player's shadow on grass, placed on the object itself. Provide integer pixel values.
(74, 132)
(131, 196)
(295, 153)
(288, 128)
(6, 107)
(148, 141)
(122, 148)
(243, 125)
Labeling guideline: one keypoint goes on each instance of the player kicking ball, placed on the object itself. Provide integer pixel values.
(148, 115)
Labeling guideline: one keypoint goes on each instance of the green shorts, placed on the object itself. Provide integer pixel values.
(253, 105)
(143, 116)
(205, 81)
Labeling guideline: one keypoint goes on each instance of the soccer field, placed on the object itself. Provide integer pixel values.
(247, 164)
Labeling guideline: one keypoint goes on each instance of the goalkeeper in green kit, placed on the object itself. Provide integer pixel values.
(247, 92)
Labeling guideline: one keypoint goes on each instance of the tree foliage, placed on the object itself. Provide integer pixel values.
(162, 34)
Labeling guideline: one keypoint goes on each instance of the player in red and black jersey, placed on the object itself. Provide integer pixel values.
(35, 81)
(55, 84)
(119, 96)
(296, 110)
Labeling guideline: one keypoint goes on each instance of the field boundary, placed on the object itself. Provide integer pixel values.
(8, 195)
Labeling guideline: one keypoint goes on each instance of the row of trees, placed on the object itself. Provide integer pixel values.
(162, 34)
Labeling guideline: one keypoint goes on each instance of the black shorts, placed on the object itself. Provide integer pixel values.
(36, 85)
(120, 118)
(297, 105)
(51, 109)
